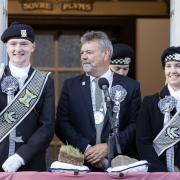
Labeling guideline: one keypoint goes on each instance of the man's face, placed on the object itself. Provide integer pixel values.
(94, 59)
(19, 51)
(120, 69)
(172, 74)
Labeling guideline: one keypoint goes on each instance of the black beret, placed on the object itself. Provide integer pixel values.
(170, 54)
(122, 54)
(17, 30)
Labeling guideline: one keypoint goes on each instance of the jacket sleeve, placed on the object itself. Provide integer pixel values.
(145, 136)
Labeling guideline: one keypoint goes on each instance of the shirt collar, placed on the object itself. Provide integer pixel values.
(19, 72)
(107, 75)
(173, 93)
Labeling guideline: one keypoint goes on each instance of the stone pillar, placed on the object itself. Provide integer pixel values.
(175, 23)
(3, 25)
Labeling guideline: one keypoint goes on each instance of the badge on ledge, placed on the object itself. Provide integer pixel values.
(99, 117)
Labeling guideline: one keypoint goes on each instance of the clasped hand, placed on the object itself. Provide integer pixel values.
(95, 154)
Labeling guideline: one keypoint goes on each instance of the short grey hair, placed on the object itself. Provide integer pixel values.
(102, 39)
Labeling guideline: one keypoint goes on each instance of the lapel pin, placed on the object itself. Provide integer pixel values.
(83, 83)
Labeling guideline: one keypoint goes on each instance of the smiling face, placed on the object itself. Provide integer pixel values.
(172, 74)
(95, 60)
(19, 51)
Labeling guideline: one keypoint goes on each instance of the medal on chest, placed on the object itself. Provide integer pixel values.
(99, 117)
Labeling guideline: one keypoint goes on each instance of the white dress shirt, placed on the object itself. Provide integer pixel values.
(19, 73)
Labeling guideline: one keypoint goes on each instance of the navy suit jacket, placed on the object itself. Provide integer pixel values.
(150, 122)
(75, 122)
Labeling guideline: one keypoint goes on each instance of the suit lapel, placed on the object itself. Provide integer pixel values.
(86, 95)
(31, 70)
(116, 79)
(164, 92)
(7, 71)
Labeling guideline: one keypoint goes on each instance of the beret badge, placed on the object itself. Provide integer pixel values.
(23, 33)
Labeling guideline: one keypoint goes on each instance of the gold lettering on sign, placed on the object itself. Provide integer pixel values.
(37, 5)
(76, 6)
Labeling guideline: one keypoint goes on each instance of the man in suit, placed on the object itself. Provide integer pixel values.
(79, 121)
(27, 120)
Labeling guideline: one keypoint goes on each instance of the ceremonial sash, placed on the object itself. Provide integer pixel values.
(168, 136)
(23, 103)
